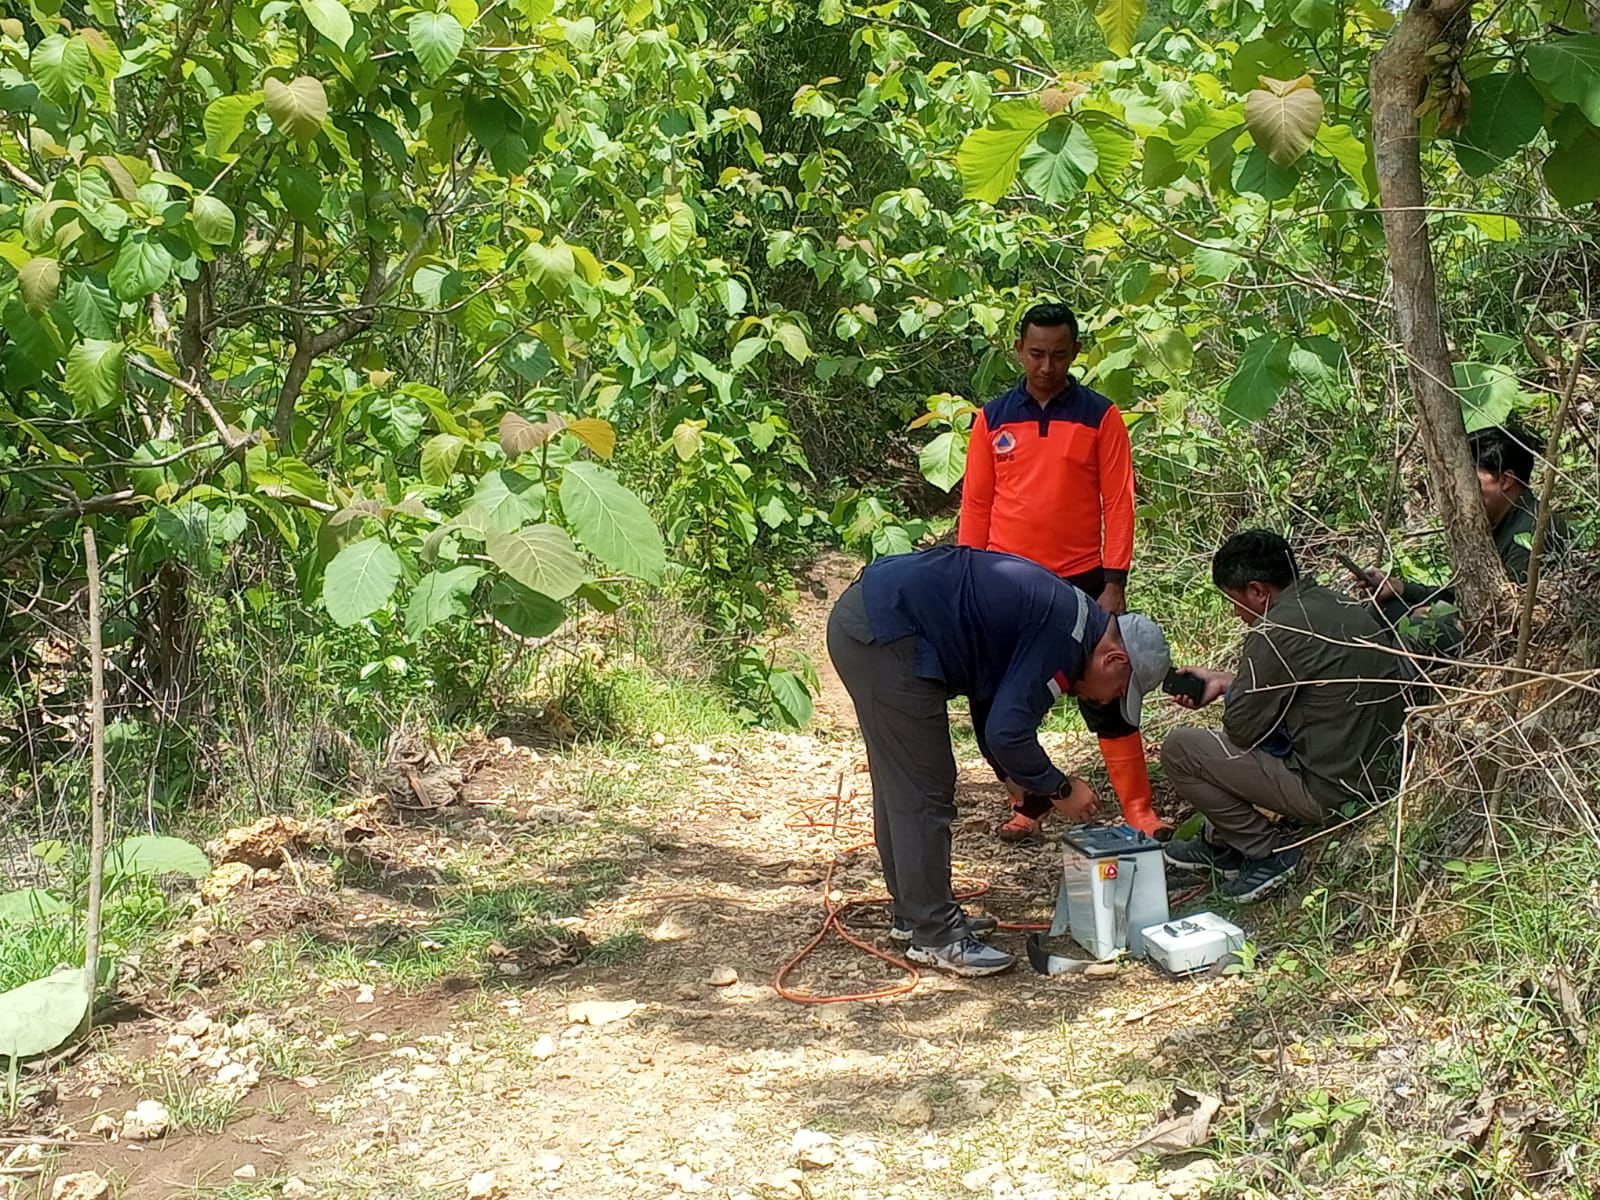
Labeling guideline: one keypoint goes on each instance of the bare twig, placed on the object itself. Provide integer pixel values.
(97, 787)
(1541, 527)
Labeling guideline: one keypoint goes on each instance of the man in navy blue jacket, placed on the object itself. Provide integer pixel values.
(915, 630)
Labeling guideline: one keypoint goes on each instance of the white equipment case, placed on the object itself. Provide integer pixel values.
(1191, 944)
(1113, 888)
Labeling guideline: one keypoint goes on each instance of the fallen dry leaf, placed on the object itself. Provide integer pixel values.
(1187, 1124)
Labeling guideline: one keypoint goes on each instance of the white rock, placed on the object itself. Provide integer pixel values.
(785, 1183)
(483, 1186)
(723, 977)
(106, 1126)
(814, 1150)
(987, 1178)
(364, 994)
(545, 1047)
(195, 1025)
(1034, 1092)
(148, 1121)
(247, 1171)
(295, 1188)
(238, 1074)
(600, 1012)
(83, 1185)
(549, 1163)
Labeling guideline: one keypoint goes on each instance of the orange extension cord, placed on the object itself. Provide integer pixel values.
(806, 816)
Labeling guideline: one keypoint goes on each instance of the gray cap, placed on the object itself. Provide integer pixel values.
(1151, 659)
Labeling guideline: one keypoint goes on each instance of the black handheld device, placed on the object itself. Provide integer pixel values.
(1180, 683)
(1350, 564)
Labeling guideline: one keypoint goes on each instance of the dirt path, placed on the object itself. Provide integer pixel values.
(680, 1071)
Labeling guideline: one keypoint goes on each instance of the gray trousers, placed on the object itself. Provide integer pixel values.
(906, 727)
(1228, 784)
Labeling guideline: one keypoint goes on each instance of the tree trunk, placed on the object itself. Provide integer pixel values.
(1400, 77)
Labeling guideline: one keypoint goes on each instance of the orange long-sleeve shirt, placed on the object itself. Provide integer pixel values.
(1051, 483)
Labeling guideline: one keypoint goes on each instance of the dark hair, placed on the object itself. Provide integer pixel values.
(1502, 450)
(1254, 556)
(1048, 316)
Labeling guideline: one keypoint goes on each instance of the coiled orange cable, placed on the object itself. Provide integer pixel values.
(805, 817)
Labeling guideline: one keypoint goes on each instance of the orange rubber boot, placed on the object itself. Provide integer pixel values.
(1130, 779)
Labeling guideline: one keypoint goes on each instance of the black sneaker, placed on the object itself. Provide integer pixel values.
(1260, 877)
(978, 927)
(1198, 854)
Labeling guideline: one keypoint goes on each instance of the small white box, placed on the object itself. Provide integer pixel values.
(1188, 944)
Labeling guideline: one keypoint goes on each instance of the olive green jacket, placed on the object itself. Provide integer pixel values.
(1316, 667)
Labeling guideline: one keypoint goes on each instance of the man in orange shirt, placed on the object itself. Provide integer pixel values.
(1050, 477)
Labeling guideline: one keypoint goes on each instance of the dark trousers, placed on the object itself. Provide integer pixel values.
(1103, 720)
(906, 726)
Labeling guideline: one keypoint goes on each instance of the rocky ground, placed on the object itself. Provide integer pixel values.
(350, 1032)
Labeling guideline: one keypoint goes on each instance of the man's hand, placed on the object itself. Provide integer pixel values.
(1217, 685)
(1015, 791)
(1381, 586)
(1080, 803)
(1114, 599)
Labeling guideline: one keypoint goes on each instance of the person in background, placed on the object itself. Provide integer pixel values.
(915, 630)
(1311, 720)
(1050, 477)
(1504, 458)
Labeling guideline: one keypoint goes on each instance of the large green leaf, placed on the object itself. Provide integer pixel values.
(331, 19)
(39, 281)
(360, 580)
(440, 454)
(1283, 117)
(436, 39)
(224, 121)
(1256, 174)
(94, 375)
(540, 557)
(148, 855)
(612, 522)
(37, 1017)
(1264, 56)
(504, 501)
(142, 267)
(988, 157)
(213, 220)
(791, 697)
(60, 66)
(1260, 378)
(944, 460)
(1490, 393)
(672, 235)
(1114, 145)
(1059, 160)
(523, 611)
(551, 267)
(298, 108)
(29, 906)
(1507, 113)
(440, 596)
(1572, 169)
(1340, 143)
(1569, 68)
(1119, 21)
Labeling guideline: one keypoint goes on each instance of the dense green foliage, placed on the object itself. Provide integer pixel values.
(384, 347)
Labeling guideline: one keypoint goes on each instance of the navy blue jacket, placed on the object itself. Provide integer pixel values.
(1003, 631)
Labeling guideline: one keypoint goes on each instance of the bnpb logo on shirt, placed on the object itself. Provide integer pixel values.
(1005, 442)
